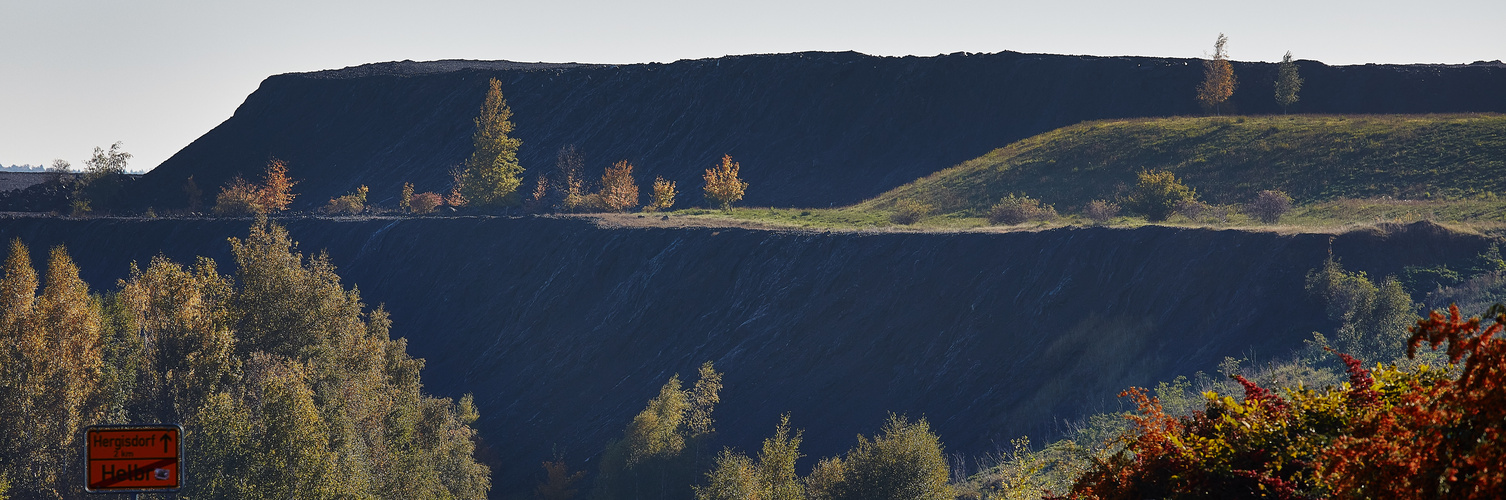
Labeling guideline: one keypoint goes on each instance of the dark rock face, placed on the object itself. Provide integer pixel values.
(563, 331)
(810, 129)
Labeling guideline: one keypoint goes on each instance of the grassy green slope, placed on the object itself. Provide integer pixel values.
(1315, 159)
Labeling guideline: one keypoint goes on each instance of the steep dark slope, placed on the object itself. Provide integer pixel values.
(564, 330)
(810, 129)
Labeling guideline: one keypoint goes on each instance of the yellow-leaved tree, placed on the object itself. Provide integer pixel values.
(287, 384)
(723, 187)
(660, 451)
(664, 196)
(1218, 78)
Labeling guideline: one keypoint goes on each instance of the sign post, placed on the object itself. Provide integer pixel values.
(133, 458)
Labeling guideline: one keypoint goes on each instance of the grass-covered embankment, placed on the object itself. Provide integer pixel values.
(1228, 159)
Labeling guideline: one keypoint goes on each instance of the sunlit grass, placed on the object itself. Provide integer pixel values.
(1340, 170)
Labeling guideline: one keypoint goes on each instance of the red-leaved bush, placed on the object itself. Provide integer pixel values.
(1388, 434)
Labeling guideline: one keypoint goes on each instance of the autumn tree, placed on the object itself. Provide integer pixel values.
(241, 197)
(1288, 82)
(51, 364)
(276, 188)
(1218, 77)
(405, 199)
(663, 197)
(619, 191)
(723, 187)
(492, 175)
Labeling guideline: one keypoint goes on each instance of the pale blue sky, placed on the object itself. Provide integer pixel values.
(158, 73)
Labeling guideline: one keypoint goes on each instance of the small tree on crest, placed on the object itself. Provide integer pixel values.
(277, 188)
(1288, 83)
(1218, 77)
(664, 195)
(723, 187)
(619, 191)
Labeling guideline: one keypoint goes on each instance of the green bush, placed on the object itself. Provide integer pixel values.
(1373, 318)
(1157, 195)
(905, 462)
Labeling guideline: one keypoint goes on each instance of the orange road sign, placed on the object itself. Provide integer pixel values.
(133, 458)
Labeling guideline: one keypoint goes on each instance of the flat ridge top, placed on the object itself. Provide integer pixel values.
(411, 68)
(414, 68)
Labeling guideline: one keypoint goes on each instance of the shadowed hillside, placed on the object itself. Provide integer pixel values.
(810, 129)
(563, 330)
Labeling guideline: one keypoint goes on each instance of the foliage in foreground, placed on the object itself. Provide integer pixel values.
(1391, 433)
(287, 385)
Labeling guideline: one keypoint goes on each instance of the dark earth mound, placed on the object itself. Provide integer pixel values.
(564, 330)
(810, 129)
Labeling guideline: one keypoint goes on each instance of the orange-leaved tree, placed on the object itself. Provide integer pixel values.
(723, 187)
(1218, 77)
(619, 191)
(276, 187)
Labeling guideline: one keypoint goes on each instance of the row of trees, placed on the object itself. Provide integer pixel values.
(1219, 82)
(491, 176)
(287, 384)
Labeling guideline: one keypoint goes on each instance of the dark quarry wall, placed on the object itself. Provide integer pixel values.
(564, 330)
(810, 129)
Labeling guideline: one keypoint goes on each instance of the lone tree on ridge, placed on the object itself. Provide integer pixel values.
(1218, 77)
(1288, 83)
